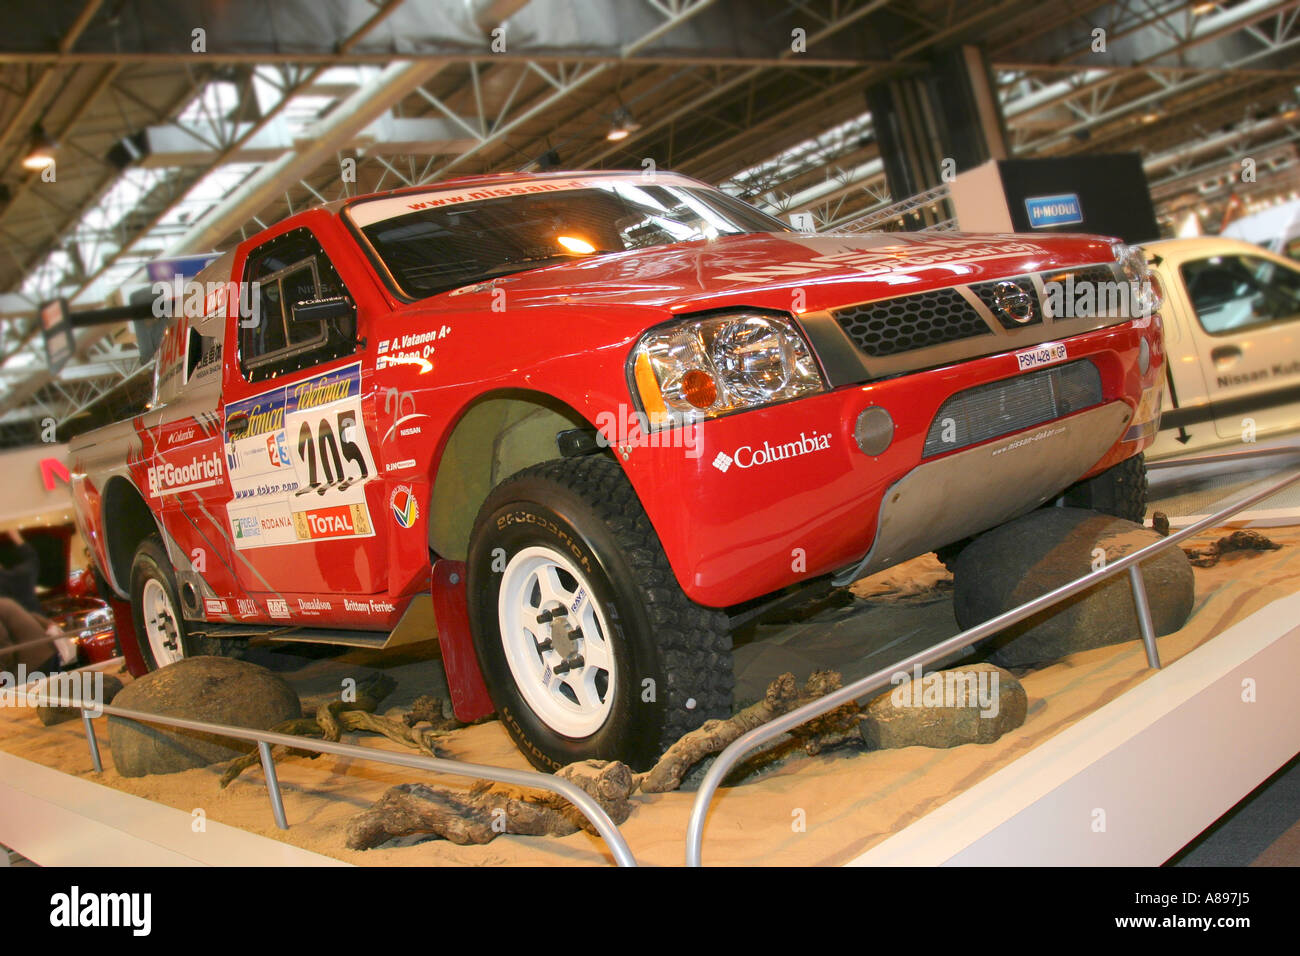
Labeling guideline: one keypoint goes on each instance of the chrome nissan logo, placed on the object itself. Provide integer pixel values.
(1013, 302)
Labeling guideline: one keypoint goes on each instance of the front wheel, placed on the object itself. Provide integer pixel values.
(587, 643)
(1120, 490)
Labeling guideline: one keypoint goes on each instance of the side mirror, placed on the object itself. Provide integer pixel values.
(323, 310)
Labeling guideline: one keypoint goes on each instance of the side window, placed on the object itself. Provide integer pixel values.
(287, 271)
(1230, 293)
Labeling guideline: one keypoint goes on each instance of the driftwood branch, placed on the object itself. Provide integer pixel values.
(1208, 556)
(484, 812)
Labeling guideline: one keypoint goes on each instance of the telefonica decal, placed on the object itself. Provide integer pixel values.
(1059, 210)
(747, 456)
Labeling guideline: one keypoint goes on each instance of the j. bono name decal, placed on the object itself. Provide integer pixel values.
(299, 465)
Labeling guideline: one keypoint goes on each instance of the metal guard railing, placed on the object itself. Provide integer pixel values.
(877, 681)
(265, 739)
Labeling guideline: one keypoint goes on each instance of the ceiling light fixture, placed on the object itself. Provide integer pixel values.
(40, 154)
(624, 125)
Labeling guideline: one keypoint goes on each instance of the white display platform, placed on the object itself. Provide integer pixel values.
(1162, 762)
(55, 819)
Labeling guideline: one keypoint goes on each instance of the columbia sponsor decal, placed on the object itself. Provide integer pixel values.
(166, 478)
(747, 456)
(402, 502)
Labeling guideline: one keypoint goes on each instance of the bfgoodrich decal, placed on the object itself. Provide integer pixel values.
(169, 478)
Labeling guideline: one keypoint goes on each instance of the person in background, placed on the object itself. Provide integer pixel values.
(21, 620)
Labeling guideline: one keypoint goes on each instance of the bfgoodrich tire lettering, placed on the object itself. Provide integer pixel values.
(666, 661)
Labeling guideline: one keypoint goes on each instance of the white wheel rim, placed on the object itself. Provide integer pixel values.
(161, 626)
(576, 701)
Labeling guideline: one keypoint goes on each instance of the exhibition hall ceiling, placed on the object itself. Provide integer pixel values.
(180, 126)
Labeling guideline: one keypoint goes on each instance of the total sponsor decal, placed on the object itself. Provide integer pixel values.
(277, 607)
(169, 478)
(369, 607)
(402, 502)
(340, 521)
(747, 456)
(897, 257)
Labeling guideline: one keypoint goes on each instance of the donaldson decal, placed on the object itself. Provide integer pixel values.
(747, 456)
(402, 502)
(167, 478)
(300, 456)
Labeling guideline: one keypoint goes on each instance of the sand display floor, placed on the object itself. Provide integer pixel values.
(849, 800)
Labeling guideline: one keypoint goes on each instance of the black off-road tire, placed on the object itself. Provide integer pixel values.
(151, 561)
(586, 509)
(1120, 490)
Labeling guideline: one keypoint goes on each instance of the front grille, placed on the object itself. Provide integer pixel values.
(988, 294)
(911, 322)
(1085, 292)
(1012, 405)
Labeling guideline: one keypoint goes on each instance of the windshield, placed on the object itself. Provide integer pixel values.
(439, 241)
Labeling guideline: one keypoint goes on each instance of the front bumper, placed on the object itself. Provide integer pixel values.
(747, 504)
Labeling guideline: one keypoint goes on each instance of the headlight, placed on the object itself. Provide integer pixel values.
(703, 368)
(1147, 296)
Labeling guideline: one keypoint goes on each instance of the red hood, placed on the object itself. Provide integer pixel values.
(765, 270)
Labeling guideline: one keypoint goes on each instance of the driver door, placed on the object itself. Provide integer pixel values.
(301, 469)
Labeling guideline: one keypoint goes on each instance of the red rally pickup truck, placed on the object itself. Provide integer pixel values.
(574, 424)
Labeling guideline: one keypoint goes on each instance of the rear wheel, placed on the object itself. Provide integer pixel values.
(587, 643)
(155, 609)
